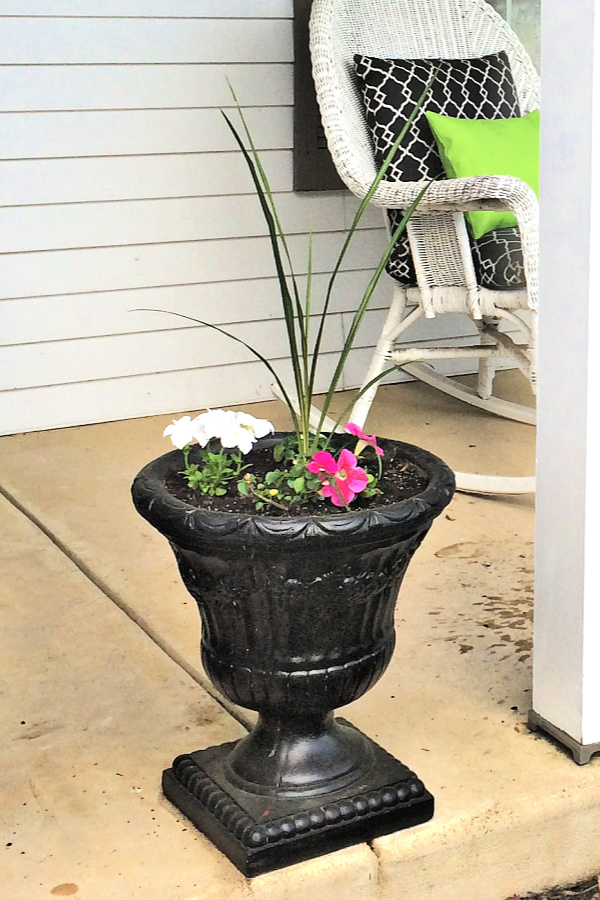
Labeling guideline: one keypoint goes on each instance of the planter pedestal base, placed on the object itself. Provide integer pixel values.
(297, 621)
(261, 832)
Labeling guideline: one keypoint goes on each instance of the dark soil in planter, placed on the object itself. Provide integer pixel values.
(401, 479)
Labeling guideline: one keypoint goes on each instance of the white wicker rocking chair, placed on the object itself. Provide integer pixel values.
(439, 242)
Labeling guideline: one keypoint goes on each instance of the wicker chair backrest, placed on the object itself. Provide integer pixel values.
(400, 29)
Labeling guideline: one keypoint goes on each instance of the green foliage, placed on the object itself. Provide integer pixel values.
(290, 483)
(371, 489)
(215, 471)
(296, 308)
(282, 488)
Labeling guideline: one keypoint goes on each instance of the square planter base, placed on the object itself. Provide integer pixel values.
(259, 833)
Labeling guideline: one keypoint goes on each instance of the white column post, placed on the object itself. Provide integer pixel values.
(566, 673)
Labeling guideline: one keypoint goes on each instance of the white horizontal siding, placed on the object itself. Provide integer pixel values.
(149, 8)
(76, 87)
(84, 402)
(146, 352)
(147, 265)
(182, 348)
(92, 41)
(148, 221)
(122, 132)
(70, 316)
(39, 181)
(123, 191)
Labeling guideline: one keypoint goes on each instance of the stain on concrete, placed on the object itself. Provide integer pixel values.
(37, 730)
(65, 890)
(489, 591)
(464, 550)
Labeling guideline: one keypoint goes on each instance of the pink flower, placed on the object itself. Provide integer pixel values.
(341, 479)
(322, 461)
(370, 439)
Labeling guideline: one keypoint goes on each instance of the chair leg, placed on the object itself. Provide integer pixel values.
(397, 321)
(487, 371)
(381, 355)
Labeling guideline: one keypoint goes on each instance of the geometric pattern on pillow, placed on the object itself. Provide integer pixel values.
(481, 88)
(498, 260)
(478, 88)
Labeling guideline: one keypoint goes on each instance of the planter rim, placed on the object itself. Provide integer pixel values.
(177, 518)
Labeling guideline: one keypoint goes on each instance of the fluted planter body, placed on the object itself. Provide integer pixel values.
(297, 620)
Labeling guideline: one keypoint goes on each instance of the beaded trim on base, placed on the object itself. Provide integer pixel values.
(225, 809)
(260, 832)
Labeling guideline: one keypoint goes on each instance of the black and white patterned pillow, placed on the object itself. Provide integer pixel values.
(479, 88)
(498, 260)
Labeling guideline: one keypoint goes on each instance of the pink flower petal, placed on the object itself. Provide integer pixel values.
(322, 460)
(328, 490)
(346, 460)
(370, 439)
(357, 479)
(356, 430)
(348, 478)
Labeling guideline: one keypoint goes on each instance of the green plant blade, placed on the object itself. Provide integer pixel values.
(270, 199)
(238, 340)
(358, 216)
(269, 195)
(288, 306)
(348, 408)
(363, 306)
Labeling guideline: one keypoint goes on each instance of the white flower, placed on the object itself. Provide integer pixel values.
(181, 431)
(210, 424)
(233, 429)
(242, 431)
(259, 427)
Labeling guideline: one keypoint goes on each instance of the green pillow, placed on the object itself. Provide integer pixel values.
(489, 147)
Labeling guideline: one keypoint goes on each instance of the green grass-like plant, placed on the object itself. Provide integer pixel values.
(297, 308)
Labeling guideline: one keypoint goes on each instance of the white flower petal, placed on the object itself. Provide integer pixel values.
(237, 436)
(200, 432)
(258, 427)
(237, 430)
(262, 427)
(245, 441)
(180, 431)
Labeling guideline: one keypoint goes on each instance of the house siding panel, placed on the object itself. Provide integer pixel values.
(122, 190)
(118, 9)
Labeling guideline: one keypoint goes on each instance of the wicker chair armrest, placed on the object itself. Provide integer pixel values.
(459, 194)
(481, 192)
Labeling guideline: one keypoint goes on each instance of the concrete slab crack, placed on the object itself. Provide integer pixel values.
(131, 613)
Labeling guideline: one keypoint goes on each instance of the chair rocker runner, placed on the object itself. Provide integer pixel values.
(360, 52)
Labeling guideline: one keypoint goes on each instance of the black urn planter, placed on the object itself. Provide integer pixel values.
(297, 620)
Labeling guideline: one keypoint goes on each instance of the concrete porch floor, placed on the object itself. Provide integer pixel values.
(102, 686)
